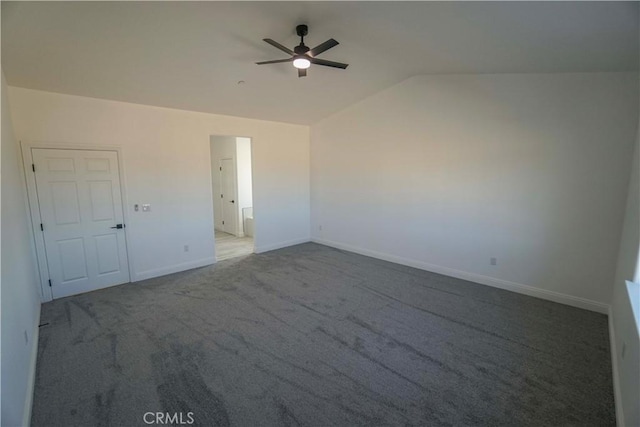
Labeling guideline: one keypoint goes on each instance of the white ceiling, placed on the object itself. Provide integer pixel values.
(190, 55)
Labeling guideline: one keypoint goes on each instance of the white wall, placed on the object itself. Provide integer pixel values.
(222, 147)
(625, 329)
(243, 168)
(444, 172)
(167, 163)
(19, 288)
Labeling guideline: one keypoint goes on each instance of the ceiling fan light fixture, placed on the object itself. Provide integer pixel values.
(301, 56)
(301, 62)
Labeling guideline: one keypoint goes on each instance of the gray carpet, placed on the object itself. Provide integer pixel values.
(313, 336)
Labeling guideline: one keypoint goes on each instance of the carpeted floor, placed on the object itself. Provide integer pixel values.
(310, 335)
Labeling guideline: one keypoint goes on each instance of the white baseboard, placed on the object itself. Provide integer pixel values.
(617, 393)
(477, 278)
(149, 274)
(31, 381)
(280, 245)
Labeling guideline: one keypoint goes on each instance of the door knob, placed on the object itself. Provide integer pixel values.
(119, 226)
(233, 201)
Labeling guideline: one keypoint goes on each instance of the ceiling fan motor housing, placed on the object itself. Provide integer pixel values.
(301, 49)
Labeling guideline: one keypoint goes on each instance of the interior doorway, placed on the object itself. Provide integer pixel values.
(232, 193)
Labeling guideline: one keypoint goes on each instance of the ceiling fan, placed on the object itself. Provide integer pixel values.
(301, 56)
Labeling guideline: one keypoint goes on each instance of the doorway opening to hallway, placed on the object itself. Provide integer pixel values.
(231, 178)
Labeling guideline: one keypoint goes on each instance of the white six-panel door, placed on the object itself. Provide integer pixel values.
(80, 208)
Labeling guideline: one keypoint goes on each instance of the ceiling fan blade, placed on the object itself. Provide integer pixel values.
(302, 72)
(275, 61)
(279, 46)
(328, 63)
(322, 47)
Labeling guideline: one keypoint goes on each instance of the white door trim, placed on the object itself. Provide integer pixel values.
(34, 206)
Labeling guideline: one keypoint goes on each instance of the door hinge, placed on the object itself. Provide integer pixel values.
(49, 282)
(222, 196)
(220, 167)
(41, 227)
(33, 166)
(222, 222)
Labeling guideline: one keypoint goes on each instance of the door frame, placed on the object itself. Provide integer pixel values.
(46, 292)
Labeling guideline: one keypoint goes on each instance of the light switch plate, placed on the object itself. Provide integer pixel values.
(146, 207)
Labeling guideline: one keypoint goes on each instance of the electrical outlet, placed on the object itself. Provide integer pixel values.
(186, 248)
(26, 337)
(146, 207)
(493, 261)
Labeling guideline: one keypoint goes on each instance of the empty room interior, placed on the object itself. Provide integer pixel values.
(320, 213)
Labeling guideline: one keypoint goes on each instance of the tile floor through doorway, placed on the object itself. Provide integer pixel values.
(230, 246)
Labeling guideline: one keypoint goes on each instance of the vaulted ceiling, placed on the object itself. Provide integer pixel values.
(191, 55)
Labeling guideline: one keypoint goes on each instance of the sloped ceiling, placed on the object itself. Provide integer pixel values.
(191, 55)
